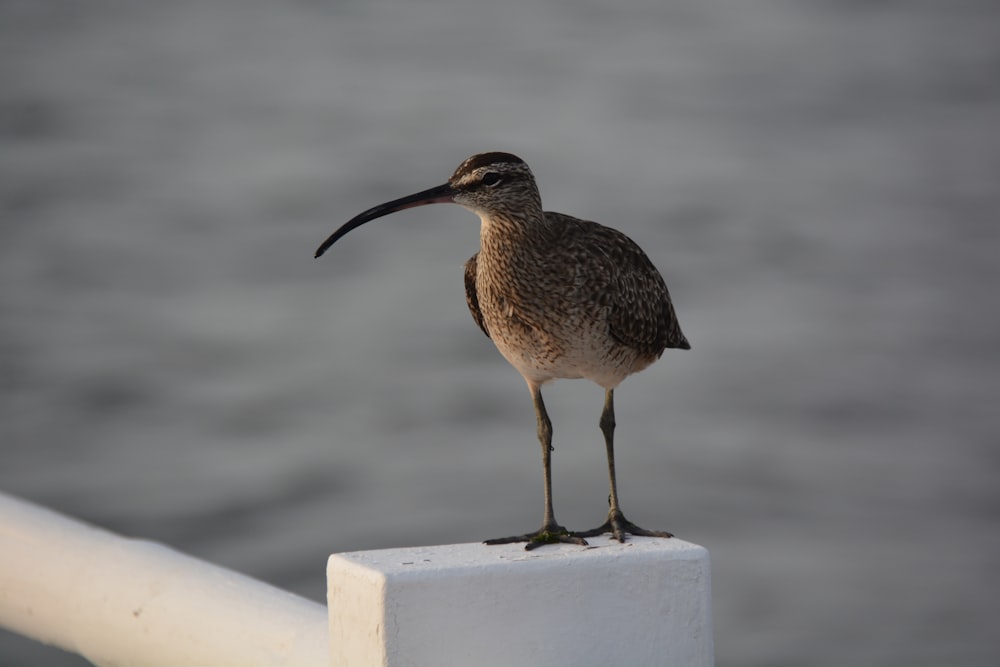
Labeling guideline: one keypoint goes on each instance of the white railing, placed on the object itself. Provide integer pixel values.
(121, 601)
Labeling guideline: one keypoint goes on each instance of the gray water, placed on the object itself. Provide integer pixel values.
(818, 181)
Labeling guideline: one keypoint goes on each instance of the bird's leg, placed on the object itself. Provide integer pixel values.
(616, 524)
(550, 531)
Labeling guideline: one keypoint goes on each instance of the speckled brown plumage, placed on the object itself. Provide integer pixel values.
(586, 281)
(560, 297)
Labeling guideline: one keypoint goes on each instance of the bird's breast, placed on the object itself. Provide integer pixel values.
(544, 331)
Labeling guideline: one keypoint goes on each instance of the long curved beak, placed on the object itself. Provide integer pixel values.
(440, 195)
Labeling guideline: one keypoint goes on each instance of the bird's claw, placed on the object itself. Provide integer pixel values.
(619, 527)
(545, 535)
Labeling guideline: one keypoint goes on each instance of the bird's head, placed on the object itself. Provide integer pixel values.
(489, 184)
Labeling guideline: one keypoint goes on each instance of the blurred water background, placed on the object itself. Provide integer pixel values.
(818, 181)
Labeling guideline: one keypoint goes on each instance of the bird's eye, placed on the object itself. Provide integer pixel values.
(491, 178)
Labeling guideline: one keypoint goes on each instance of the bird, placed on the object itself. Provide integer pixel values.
(561, 298)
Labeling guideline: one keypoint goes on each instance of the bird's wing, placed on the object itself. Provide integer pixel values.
(471, 296)
(640, 312)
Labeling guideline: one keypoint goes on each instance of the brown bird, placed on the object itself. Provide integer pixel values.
(559, 297)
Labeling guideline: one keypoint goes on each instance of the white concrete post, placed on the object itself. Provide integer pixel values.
(645, 602)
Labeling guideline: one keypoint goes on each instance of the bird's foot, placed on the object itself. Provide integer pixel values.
(619, 527)
(548, 534)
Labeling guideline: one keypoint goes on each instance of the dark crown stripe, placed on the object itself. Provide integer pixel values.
(486, 159)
